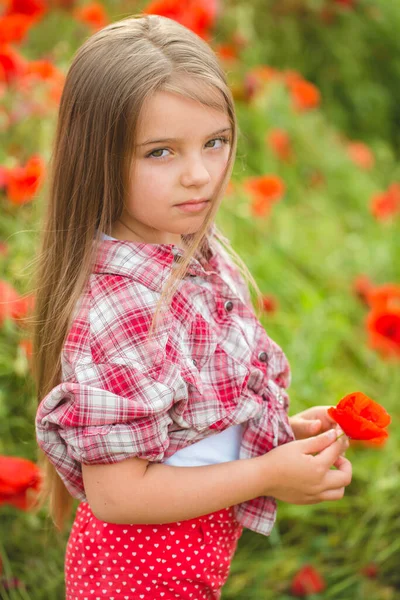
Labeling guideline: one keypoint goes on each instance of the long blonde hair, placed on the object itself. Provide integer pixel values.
(109, 79)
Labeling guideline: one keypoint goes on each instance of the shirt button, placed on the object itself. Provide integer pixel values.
(194, 362)
(228, 306)
(263, 356)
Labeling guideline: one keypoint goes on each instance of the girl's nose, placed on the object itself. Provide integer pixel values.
(194, 173)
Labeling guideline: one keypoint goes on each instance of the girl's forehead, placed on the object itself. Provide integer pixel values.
(168, 113)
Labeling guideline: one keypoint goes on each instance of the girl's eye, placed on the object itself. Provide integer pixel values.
(223, 141)
(156, 153)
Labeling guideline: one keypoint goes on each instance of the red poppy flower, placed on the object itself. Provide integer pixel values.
(93, 15)
(279, 142)
(360, 417)
(361, 155)
(26, 346)
(14, 28)
(20, 480)
(12, 305)
(9, 300)
(23, 182)
(12, 65)
(370, 570)
(383, 326)
(307, 581)
(257, 78)
(269, 303)
(33, 8)
(197, 15)
(264, 191)
(44, 69)
(375, 443)
(305, 95)
(227, 52)
(386, 205)
(386, 296)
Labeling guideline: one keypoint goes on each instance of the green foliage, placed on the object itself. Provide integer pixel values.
(307, 254)
(353, 57)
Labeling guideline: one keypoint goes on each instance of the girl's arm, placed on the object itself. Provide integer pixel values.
(138, 491)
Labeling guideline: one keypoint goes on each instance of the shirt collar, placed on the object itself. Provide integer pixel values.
(135, 260)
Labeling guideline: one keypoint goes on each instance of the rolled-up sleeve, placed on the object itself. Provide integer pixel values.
(110, 412)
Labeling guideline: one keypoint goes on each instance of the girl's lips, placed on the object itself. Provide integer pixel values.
(193, 207)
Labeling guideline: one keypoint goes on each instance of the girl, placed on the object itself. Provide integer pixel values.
(162, 399)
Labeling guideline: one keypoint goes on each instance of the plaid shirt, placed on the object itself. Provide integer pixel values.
(210, 366)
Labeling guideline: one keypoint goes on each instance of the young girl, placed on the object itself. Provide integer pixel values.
(162, 399)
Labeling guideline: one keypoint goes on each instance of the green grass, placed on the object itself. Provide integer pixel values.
(307, 254)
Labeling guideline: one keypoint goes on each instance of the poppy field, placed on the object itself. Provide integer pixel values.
(313, 209)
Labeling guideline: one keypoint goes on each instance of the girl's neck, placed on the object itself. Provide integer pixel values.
(120, 230)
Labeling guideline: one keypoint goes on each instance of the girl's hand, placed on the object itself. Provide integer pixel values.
(311, 422)
(300, 472)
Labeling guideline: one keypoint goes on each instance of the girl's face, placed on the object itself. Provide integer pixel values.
(181, 153)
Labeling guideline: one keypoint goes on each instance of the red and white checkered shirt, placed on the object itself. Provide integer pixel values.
(210, 366)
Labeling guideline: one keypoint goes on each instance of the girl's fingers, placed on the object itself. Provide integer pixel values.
(342, 463)
(329, 456)
(339, 478)
(336, 494)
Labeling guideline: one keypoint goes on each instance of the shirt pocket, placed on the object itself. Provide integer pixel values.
(216, 384)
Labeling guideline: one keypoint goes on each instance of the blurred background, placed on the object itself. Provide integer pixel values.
(313, 208)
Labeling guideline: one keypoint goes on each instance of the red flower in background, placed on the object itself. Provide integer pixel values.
(14, 28)
(385, 205)
(360, 417)
(12, 65)
(386, 296)
(307, 581)
(93, 15)
(370, 570)
(361, 155)
(227, 52)
(20, 481)
(26, 346)
(230, 188)
(43, 69)
(23, 182)
(383, 326)
(264, 191)
(33, 8)
(197, 15)
(383, 320)
(257, 78)
(269, 303)
(279, 142)
(12, 305)
(305, 95)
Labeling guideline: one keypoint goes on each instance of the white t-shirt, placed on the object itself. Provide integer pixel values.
(218, 448)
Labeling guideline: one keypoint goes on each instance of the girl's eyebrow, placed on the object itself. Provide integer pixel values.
(168, 140)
